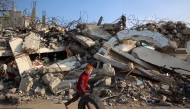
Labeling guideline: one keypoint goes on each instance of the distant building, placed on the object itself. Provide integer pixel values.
(11, 17)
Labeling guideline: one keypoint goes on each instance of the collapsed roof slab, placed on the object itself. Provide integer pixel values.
(85, 41)
(22, 60)
(153, 38)
(113, 62)
(162, 60)
(95, 32)
(64, 65)
(128, 56)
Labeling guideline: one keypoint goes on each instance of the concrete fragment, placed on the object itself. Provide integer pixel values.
(127, 55)
(47, 77)
(85, 41)
(166, 87)
(21, 59)
(153, 38)
(12, 91)
(121, 84)
(162, 60)
(95, 32)
(180, 53)
(107, 70)
(113, 62)
(53, 83)
(40, 91)
(26, 83)
(65, 65)
(126, 45)
(31, 42)
(62, 86)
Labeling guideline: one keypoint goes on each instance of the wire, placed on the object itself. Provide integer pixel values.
(182, 15)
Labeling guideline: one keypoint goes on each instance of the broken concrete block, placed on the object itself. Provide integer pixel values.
(113, 62)
(47, 77)
(40, 91)
(107, 70)
(54, 82)
(64, 85)
(64, 65)
(160, 59)
(85, 41)
(188, 47)
(166, 87)
(12, 91)
(153, 38)
(22, 59)
(31, 42)
(26, 83)
(95, 32)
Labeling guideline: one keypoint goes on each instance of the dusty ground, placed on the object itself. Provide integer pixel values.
(50, 104)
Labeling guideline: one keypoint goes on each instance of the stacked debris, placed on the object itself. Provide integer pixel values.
(148, 65)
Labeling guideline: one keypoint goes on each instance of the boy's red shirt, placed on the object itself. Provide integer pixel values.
(82, 82)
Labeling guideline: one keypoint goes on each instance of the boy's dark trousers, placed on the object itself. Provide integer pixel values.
(75, 98)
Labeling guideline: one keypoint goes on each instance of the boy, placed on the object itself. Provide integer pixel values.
(81, 85)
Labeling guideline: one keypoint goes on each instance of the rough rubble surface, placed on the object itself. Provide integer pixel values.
(142, 66)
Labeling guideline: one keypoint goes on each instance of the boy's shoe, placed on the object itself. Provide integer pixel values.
(66, 106)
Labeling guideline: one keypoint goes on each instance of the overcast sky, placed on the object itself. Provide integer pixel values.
(91, 10)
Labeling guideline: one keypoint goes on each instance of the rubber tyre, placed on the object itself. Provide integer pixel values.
(93, 99)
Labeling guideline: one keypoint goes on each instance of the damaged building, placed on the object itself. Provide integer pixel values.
(149, 64)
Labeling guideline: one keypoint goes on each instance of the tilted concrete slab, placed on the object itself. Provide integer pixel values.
(153, 38)
(128, 56)
(85, 41)
(64, 65)
(22, 60)
(161, 60)
(113, 62)
(97, 32)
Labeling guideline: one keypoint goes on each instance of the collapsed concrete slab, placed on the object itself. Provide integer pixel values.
(26, 83)
(121, 53)
(85, 41)
(63, 65)
(180, 53)
(95, 32)
(31, 42)
(22, 60)
(62, 86)
(113, 62)
(152, 38)
(162, 60)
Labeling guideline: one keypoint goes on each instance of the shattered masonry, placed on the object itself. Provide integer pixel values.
(141, 66)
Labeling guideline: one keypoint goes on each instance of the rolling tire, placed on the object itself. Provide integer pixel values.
(93, 99)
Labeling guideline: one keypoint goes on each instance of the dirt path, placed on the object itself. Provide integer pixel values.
(50, 104)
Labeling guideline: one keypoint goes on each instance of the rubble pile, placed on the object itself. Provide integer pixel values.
(148, 65)
(178, 32)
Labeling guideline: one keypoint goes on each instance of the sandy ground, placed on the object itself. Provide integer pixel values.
(50, 104)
